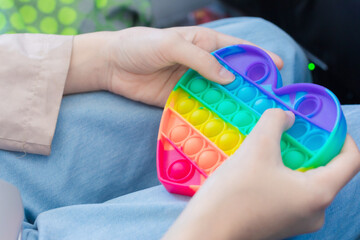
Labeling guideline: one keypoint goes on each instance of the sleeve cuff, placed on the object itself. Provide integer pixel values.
(32, 79)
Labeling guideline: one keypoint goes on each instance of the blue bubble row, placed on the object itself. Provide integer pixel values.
(303, 131)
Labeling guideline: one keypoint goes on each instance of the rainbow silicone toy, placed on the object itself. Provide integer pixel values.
(204, 122)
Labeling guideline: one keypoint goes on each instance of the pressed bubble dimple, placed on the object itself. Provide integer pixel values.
(227, 107)
(294, 159)
(308, 106)
(179, 133)
(193, 145)
(213, 128)
(242, 119)
(185, 105)
(208, 159)
(199, 116)
(298, 129)
(234, 84)
(315, 141)
(228, 140)
(261, 104)
(198, 85)
(257, 71)
(179, 169)
(212, 96)
(247, 93)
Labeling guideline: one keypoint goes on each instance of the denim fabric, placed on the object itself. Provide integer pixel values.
(100, 181)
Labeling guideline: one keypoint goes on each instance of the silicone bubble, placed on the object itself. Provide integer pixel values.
(308, 105)
(228, 140)
(294, 159)
(299, 129)
(208, 158)
(242, 119)
(204, 122)
(179, 133)
(179, 170)
(185, 105)
(213, 128)
(227, 107)
(247, 93)
(235, 84)
(193, 145)
(261, 104)
(212, 96)
(257, 71)
(198, 85)
(199, 116)
(315, 141)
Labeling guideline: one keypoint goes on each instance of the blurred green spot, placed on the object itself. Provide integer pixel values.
(46, 6)
(69, 31)
(28, 14)
(2, 21)
(101, 3)
(67, 15)
(49, 25)
(6, 4)
(16, 21)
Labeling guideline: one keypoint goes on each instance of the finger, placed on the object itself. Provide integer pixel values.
(271, 125)
(224, 40)
(202, 34)
(201, 61)
(341, 169)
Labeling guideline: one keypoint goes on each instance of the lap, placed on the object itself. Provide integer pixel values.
(104, 155)
(145, 214)
(104, 147)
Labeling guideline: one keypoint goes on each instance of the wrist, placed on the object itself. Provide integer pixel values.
(209, 216)
(200, 220)
(88, 65)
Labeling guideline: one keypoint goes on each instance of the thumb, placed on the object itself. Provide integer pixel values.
(201, 61)
(269, 129)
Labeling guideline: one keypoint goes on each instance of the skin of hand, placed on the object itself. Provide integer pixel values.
(252, 195)
(144, 64)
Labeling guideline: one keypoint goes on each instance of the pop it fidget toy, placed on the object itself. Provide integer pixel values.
(204, 122)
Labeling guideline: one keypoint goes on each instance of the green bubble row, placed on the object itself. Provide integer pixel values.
(223, 105)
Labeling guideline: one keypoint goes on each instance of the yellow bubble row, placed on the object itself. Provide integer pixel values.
(227, 137)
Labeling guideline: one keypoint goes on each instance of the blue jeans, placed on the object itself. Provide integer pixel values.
(100, 181)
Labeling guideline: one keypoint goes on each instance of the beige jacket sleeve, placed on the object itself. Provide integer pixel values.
(33, 70)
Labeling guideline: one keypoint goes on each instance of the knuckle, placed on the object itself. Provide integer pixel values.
(318, 200)
(203, 30)
(276, 113)
(319, 223)
(325, 199)
(168, 40)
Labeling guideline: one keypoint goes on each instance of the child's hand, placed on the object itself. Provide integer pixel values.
(144, 64)
(252, 195)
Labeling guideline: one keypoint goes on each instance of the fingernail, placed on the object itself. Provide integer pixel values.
(227, 76)
(291, 115)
